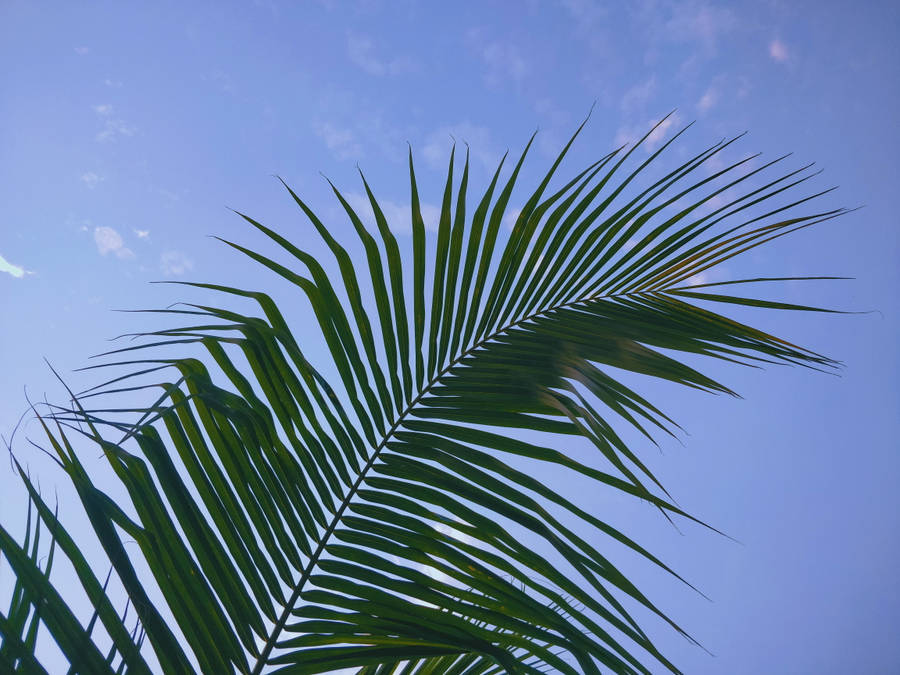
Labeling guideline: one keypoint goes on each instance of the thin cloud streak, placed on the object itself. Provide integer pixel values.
(175, 263)
(361, 52)
(15, 270)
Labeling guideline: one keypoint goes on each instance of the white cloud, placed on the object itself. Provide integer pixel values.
(452, 533)
(697, 279)
(639, 95)
(504, 62)
(625, 135)
(341, 142)
(113, 129)
(81, 51)
(110, 241)
(438, 143)
(714, 164)
(716, 201)
(81, 224)
(510, 217)
(142, 234)
(361, 52)
(112, 83)
(708, 100)
(634, 133)
(431, 215)
(398, 216)
(700, 24)
(778, 51)
(658, 134)
(15, 270)
(171, 195)
(175, 263)
(91, 179)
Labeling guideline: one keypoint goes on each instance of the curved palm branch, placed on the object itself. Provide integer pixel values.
(389, 517)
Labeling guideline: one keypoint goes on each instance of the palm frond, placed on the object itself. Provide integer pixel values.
(295, 521)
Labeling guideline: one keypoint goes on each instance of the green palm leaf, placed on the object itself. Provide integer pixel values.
(375, 512)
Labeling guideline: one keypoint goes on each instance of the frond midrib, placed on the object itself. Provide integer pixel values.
(314, 559)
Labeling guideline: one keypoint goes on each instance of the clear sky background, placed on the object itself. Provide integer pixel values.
(127, 128)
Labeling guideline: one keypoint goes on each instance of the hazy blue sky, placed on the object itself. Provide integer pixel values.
(127, 128)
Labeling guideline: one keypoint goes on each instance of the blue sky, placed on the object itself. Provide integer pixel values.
(126, 131)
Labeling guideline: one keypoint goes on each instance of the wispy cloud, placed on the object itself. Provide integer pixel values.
(16, 271)
(142, 234)
(697, 279)
(438, 143)
(554, 124)
(112, 83)
(697, 20)
(361, 52)
(171, 195)
(342, 142)
(503, 60)
(659, 133)
(91, 179)
(778, 51)
(631, 134)
(110, 241)
(638, 96)
(700, 24)
(510, 218)
(708, 100)
(175, 263)
(113, 128)
(435, 573)
(81, 51)
(398, 216)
